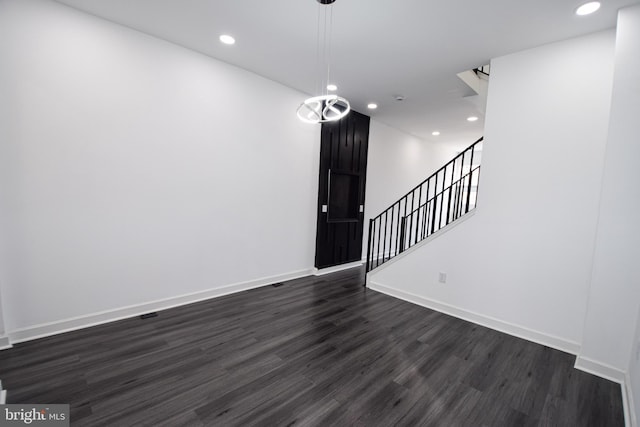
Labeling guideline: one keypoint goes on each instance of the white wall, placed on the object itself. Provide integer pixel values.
(522, 263)
(633, 376)
(4, 113)
(396, 163)
(4, 339)
(609, 335)
(134, 170)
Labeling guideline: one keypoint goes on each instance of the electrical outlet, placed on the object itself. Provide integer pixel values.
(442, 278)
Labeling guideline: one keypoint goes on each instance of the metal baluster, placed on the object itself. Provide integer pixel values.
(426, 211)
(460, 181)
(473, 149)
(378, 235)
(403, 225)
(369, 248)
(435, 201)
(398, 226)
(391, 239)
(417, 236)
(384, 239)
(413, 200)
(441, 202)
(453, 168)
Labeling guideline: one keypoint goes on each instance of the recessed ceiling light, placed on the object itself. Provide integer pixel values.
(227, 39)
(472, 119)
(372, 106)
(588, 8)
(436, 133)
(332, 87)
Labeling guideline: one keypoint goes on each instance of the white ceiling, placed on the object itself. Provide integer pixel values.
(381, 48)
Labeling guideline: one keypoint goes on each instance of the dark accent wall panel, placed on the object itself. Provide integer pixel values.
(341, 190)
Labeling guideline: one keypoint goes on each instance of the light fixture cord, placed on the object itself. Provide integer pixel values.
(329, 48)
(318, 79)
(324, 51)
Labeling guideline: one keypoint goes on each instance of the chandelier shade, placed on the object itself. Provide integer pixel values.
(323, 108)
(326, 107)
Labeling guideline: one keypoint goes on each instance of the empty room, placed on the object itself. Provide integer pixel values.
(319, 213)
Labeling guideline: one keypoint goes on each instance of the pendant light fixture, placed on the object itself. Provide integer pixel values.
(325, 107)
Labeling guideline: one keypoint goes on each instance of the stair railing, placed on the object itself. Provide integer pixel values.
(445, 196)
(482, 71)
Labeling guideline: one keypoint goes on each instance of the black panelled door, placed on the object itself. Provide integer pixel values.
(341, 189)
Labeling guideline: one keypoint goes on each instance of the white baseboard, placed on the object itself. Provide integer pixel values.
(600, 369)
(4, 342)
(67, 325)
(323, 271)
(628, 402)
(480, 319)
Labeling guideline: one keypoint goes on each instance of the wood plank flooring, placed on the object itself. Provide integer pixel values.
(317, 351)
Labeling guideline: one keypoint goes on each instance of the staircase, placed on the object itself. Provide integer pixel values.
(477, 80)
(447, 195)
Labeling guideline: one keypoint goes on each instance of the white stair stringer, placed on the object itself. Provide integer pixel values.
(418, 245)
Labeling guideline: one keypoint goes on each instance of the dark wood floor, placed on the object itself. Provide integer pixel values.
(315, 351)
